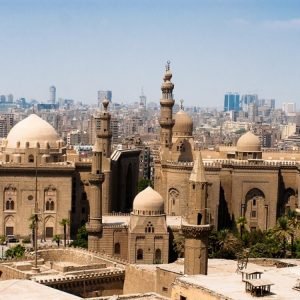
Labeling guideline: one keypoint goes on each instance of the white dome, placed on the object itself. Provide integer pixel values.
(248, 142)
(32, 130)
(149, 202)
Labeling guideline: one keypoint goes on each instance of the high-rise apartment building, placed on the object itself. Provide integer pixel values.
(52, 91)
(104, 95)
(232, 102)
(289, 108)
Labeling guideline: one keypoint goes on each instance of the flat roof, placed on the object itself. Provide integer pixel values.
(223, 280)
(30, 290)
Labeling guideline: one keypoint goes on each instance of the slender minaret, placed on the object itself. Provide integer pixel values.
(104, 134)
(96, 178)
(166, 113)
(197, 227)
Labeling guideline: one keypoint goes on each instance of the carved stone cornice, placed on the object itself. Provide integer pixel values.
(196, 231)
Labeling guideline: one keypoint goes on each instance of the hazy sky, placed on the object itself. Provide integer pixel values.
(215, 46)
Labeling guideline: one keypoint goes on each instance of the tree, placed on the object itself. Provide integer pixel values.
(294, 225)
(241, 222)
(143, 184)
(56, 239)
(64, 223)
(81, 238)
(283, 232)
(33, 222)
(15, 251)
(178, 244)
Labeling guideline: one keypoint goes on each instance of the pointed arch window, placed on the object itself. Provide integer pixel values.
(10, 197)
(50, 196)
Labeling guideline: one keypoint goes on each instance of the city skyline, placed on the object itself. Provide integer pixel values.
(214, 47)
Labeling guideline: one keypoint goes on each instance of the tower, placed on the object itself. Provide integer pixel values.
(104, 132)
(52, 91)
(197, 227)
(166, 113)
(96, 178)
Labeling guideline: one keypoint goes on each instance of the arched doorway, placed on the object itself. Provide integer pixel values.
(255, 210)
(287, 202)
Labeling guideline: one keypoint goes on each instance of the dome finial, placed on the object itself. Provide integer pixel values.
(181, 104)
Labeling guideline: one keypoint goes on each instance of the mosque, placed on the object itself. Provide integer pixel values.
(203, 188)
(193, 190)
(38, 174)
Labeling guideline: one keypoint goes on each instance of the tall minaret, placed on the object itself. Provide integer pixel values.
(166, 112)
(104, 134)
(96, 178)
(197, 227)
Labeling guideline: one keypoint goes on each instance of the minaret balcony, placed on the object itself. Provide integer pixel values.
(196, 231)
(104, 135)
(96, 178)
(164, 122)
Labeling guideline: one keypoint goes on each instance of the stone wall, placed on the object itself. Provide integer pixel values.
(8, 272)
(190, 291)
(138, 280)
(75, 255)
(89, 285)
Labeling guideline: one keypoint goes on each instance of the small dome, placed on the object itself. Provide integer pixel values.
(148, 202)
(32, 130)
(183, 124)
(248, 142)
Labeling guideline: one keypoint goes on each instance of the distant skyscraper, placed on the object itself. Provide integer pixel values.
(102, 95)
(247, 100)
(232, 102)
(143, 100)
(2, 98)
(289, 108)
(10, 98)
(52, 90)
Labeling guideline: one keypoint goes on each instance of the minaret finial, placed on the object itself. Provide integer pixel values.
(168, 66)
(105, 103)
(181, 104)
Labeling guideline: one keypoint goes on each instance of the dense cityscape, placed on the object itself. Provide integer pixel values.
(149, 149)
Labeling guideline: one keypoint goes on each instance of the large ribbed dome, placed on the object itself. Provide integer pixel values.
(183, 124)
(32, 130)
(148, 201)
(248, 142)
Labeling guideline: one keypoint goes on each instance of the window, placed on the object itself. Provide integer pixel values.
(49, 232)
(117, 249)
(254, 202)
(10, 204)
(157, 256)
(50, 204)
(183, 297)
(149, 228)
(140, 254)
(9, 230)
(31, 158)
(253, 214)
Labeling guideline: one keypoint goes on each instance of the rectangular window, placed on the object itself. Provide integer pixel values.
(49, 232)
(253, 214)
(9, 230)
(183, 297)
